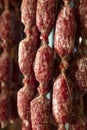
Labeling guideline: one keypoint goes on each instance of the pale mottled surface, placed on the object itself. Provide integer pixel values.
(28, 12)
(40, 113)
(24, 96)
(27, 51)
(9, 27)
(45, 15)
(61, 103)
(65, 32)
(44, 62)
(79, 74)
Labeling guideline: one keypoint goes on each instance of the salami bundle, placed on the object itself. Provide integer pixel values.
(26, 55)
(43, 84)
(43, 66)
(64, 39)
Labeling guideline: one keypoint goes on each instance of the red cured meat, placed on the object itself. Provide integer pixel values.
(26, 55)
(24, 96)
(79, 74)
(34, 34)
(45, 15)
(40, 113)
(81, 16)
(8, 23)
(31, 80)
(27, 51)
(61, 102)
(5, 68)
(28, 12)
(44, 62)
(65, 32)
(78, 120)
(45, 87)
